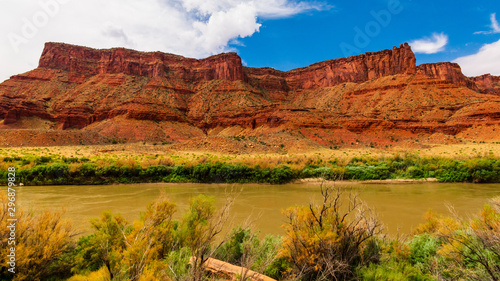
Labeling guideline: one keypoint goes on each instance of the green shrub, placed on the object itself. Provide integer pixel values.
(109, 171)
(280, 175)
(88, 170)
(232, 250)
(127, 172)
(70, 160)
(453, 176)
(178, 261)
(415, 172)
(321, 172)
(87, 254)
(422, 248)
(278, 268)
(43, 160)
(156, 173)
(245, 249)
(8, 159)
(364, 172)
(392, 271)
(181, 171)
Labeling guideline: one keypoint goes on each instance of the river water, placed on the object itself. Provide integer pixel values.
(400, 207)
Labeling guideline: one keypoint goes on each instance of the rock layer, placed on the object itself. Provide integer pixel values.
(329, 73)
(89, 62)
(447, 71)
(488, 84)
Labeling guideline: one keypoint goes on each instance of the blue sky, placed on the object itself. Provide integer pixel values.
(283, 34)
(319, 35)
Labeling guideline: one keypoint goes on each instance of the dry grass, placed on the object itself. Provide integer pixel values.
(463, 150)
(148, 155)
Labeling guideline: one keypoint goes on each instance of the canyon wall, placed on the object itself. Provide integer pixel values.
(109, 90)
(89, 62)
(488, 84)
(447, 71)
(329, 73)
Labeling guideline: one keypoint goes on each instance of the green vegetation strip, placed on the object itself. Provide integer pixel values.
(53, 170)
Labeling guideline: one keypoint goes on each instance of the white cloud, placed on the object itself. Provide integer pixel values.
(432, 45)
(193, 28)
(494, 23)
(495, 27)
(486, 60)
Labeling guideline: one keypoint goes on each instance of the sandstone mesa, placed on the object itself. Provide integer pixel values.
(80, 95)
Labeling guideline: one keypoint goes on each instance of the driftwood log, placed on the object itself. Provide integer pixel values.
(230, 271)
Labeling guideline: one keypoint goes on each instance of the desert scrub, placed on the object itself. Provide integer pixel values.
(47, 170)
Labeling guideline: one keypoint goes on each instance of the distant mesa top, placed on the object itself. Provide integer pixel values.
(227, 66)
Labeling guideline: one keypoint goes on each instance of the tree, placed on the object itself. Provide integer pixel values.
(41, 240)
(246, 250)
(150, 239)
(475, 244)
(103, 247)
(326, 241)
(129, 250)
(199, 228)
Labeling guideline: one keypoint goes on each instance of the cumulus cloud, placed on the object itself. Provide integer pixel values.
(118, 34)
(486, 60)
(495, 27)
(194, 28)
(435, 44)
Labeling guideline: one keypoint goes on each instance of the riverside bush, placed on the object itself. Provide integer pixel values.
(363, 172)
(325, 242)
(41, 241)
(220, 172)
(156, 173)
(321, 172)
(245, 249)
(392, 270)
(85, 171)
(422, 248)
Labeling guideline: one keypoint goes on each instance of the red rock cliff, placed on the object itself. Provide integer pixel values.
(329, 73)
(447, 71)
(89, 62)
(115, 92)
(488, 84)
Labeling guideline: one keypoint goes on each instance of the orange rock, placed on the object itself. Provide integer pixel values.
(447, 71)
(137, 96)
(488, 84)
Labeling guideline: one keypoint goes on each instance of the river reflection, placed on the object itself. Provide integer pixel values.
(400, 207)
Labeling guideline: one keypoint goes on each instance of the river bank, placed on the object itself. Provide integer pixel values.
(386, 181)
(57, 170)
(138, 163)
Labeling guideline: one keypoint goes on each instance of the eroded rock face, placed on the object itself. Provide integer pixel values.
(115, 92)
(329, 73)
(355, 69)
(488, 84)
(447, 71)
(89, 62)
